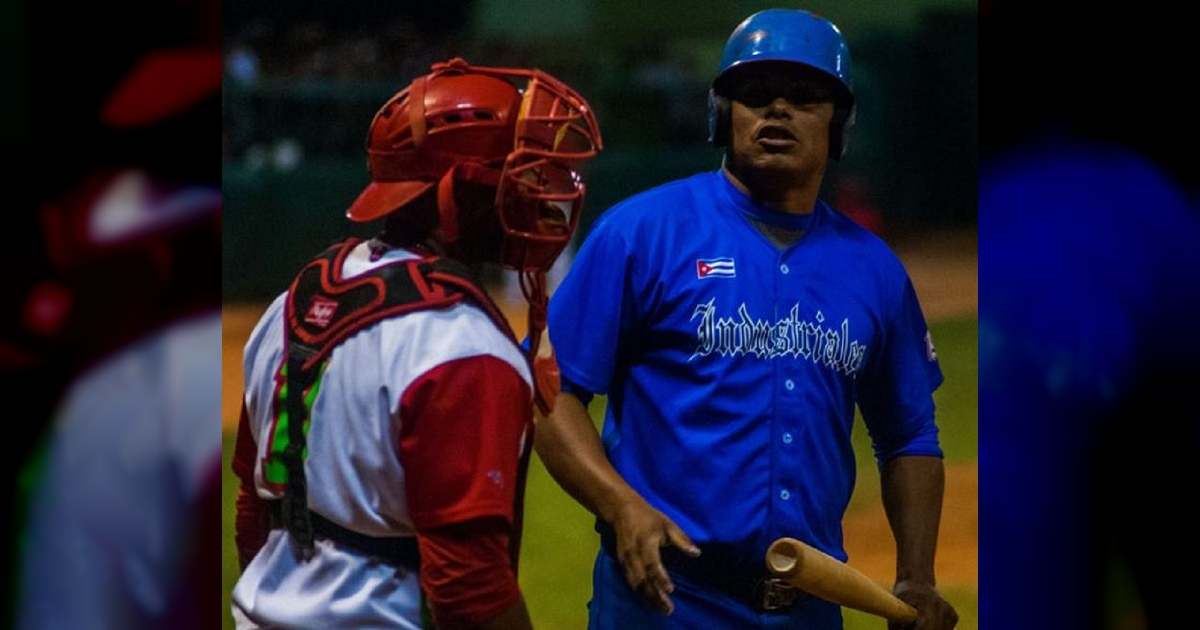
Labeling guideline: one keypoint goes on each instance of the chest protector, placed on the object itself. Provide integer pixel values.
(323, 309)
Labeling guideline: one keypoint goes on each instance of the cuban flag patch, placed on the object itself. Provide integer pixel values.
(715, 268)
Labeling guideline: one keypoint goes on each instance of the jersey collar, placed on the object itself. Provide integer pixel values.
(759, 212)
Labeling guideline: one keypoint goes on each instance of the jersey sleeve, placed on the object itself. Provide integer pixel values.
(464, 424)
(590, 309)
(251, 520)
(896, 396)
(466, 572)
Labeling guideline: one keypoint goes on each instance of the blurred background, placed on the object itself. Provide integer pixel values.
(303, 80)
(1089, 223)
(107, 161)
(14, 60)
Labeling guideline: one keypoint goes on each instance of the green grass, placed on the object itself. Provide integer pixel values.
(559, 542)
(956, 400)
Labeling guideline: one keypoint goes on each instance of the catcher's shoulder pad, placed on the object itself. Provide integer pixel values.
(324, 308)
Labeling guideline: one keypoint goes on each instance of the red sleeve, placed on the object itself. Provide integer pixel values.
(461, 440)
(252, 521)
(466, 573)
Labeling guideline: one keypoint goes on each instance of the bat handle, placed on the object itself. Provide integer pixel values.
(833, 580)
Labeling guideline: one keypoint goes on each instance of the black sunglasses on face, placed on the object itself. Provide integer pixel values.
(762, 91)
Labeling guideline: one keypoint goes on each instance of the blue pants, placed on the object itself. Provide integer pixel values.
(615, 606)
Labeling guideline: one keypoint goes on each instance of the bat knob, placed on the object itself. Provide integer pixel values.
(783, 558)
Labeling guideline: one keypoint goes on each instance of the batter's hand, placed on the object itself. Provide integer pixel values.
(641, 533)
(933, 611)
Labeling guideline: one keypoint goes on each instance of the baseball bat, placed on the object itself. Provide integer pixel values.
(814, 571)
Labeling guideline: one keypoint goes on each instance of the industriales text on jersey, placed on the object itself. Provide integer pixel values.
(767, 340)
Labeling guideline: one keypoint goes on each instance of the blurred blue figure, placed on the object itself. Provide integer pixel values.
(1089, 305)
(1089, 329)
(112, 330)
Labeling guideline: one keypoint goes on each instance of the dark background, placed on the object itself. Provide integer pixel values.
(1090, 480)
(58, 62)
(294, 134)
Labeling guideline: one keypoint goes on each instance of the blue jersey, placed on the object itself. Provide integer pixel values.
(732, 368)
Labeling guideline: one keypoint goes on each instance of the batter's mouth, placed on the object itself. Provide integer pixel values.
(775, 132)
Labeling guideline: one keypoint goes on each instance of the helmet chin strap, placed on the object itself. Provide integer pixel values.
(545, 366)
(447, 209)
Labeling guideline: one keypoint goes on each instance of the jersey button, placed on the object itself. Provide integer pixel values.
(783, 268)
(787, 438)
(785, 495)
(789, 385)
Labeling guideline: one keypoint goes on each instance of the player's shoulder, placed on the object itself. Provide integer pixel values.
(274, 310)
(425, 338)
(266, 328)
(861, 244)
(661, 202)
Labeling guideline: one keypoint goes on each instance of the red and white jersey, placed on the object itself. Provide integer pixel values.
(418, 421)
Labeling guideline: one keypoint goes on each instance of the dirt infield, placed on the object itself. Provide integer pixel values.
(944, 270)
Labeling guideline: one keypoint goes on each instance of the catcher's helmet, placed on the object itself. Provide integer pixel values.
(464, 123)
(789, 35)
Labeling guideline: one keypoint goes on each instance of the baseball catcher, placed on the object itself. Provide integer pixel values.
(388, 411)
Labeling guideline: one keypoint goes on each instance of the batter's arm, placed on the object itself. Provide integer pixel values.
(571, 449)
(912, 488)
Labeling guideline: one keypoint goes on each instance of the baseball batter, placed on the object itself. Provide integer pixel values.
(734, 320)
(399, 501)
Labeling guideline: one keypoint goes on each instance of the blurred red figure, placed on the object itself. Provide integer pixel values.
(851, 197)
(118, 317)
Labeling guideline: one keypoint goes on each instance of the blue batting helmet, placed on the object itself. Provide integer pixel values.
(789, 35)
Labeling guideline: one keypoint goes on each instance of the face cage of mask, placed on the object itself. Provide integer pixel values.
(538, 204)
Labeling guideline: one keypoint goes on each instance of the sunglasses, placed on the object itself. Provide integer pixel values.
(760, 91)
